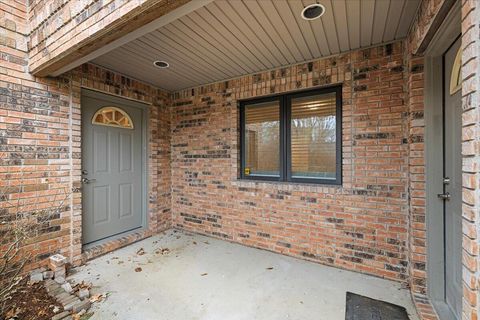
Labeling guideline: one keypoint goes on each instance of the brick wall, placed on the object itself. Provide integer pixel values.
(34, 142)
(417, 212)
(415, 83)
(428, 12)
(159, 216)
(471, 156)
(361, 225)
(64, 30)
(40, 141)
(426, 23)
(374, 223)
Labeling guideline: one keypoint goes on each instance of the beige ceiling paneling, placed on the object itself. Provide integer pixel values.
(255, 29)
(270, 10)
(261, 17)
(380, 20)
(408, 14)
(206, 22)
(230, 38)
(234, 20)
(367, 14)
(330, 27)
(288, 20)
(185, 50)
(320, 34)
(341, 24)
(354, 23)
(305, 29)
(393, 19)
(206, 45)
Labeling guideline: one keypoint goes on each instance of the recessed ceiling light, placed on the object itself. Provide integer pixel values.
(161, 64)
(313, 11)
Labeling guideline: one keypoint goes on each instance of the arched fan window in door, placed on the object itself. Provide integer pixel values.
(112, 117)
(456, 77)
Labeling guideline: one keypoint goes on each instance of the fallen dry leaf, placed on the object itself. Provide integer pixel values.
(141, 252)
(138, 269)
(86, 316)
(98, 297)
(83, 285)
(13, 313)
(163, 251)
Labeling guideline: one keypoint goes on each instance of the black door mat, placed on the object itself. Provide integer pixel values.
(363, 308)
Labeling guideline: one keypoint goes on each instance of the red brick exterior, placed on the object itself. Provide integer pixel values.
(471, 156)
(417, 211)
(361, 225)
(65, 30)
(40, 142)
(374, 223)
(159, 216)
(422, 26)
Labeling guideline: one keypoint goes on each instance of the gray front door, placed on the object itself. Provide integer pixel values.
(453, 186)
(112, 166)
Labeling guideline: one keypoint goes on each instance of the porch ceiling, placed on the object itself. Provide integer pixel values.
(227, 39)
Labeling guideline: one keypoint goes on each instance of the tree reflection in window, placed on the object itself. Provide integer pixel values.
(313, 136)
(112, 117)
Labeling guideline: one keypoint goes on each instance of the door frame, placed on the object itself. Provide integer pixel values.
(115, 99)
(446, 35)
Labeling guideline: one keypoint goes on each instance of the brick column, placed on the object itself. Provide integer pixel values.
(471, 155)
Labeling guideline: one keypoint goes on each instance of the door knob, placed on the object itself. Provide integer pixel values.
(444, 196)
(85, 180)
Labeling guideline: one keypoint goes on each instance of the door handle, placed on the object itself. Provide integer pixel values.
(444, 196)
(86, 181)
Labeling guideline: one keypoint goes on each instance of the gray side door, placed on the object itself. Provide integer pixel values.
(453, 187)
(112, 167)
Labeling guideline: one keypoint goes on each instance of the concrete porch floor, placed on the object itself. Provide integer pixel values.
(205, 278)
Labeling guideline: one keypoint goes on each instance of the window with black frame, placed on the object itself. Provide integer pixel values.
(293, 137)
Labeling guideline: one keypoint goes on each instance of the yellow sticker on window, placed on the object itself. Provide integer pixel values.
(247, 171)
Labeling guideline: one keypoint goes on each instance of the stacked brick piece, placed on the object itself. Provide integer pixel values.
(60, 289)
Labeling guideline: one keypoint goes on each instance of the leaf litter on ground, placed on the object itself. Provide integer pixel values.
(162, 251)
(98, 297)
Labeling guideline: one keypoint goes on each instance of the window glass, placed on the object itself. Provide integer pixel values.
(262, 139)
(313, 136)
(293, 137)
(113, 117)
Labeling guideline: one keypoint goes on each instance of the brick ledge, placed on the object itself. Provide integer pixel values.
(424, 307)
(114, 244)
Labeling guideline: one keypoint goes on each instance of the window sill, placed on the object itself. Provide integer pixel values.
(287, 185)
